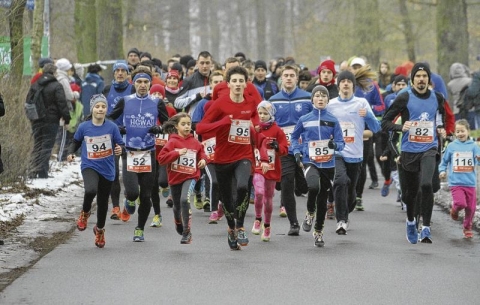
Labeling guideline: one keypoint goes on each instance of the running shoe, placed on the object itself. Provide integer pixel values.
(385, 190)
(331, 210)
(358, 204)
(213, 219)
(115, 213)
(341, 228)
(197, 201)
(283, 212)
(178, 226)
(232, 240)
(125, 216)
(242, 237)
(425, 236)
(82, 221)
(206, 205)
(165, 191)
(399, 197)
(186, 238)
(130, 206)
(453, 214)
(318, 237)
(256, 227)
(412, 234)
(220, 211)
(373, 185)
(99, 237)
(156, 221)
(169, 201)
(266, 233)
(308, 221)
(467, 233)
(294, 230)
(138, 235)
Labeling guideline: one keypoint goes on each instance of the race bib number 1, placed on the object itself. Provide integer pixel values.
(186, 164)
(318, 151)
(139, 161)
(348, 130)
(462, 162)
(421, 132)
(239, 132)
(98, 147)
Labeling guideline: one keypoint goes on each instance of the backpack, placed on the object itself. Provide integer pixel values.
(34, 105)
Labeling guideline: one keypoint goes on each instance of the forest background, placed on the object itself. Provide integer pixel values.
(438, 31)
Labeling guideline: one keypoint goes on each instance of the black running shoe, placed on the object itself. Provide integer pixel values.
(294, 230)
(232, 240)
(186, 238)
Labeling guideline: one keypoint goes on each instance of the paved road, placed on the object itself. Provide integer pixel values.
(373, 264)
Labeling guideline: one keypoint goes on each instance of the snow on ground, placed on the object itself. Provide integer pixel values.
(53, 209)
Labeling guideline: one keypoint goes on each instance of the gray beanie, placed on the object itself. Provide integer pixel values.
(321, 89)
(97, 98)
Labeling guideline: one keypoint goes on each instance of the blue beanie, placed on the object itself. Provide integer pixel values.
(120, 64)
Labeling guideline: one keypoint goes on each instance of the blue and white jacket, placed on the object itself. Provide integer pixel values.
(317, 125)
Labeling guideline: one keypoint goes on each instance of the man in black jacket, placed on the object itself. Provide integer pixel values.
(44, 130)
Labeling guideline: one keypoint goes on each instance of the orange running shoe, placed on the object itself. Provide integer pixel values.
(125, 216)
(99, 237)
(115, 213)
(82, 221)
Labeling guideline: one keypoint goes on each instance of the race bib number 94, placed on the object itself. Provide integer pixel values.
(98, 147)
(139, 161)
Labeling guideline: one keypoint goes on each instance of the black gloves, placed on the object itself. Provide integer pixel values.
(155, 129)
(198, 97)
(208, 96)
(122, 130)
(274, 145)
(332, 145)
(298, 158)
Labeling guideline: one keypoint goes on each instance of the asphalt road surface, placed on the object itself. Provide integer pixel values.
(373, 264)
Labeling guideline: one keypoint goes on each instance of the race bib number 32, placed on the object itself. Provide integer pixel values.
(99, 147)
(239, 132)
(139, 161)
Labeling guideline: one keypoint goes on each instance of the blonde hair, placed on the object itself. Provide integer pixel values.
(464, 123)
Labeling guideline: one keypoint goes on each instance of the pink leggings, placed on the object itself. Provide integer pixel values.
(465, 198)
(264, 191)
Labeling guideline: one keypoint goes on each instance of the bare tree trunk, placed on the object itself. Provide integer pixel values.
(37, 34)
(15, 23)
(277, 29)
(261, 30)
(110, 30)
(179, 27)
(214, 26)
(452, 34)
(408, 31)
(86, 30)
(367, 30)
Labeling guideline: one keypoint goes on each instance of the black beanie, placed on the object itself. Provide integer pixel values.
(134, 50)
(346, 75)
(421, 66)
(260, 64)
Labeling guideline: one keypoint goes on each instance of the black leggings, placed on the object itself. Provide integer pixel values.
(290, 178)
(132, 181)
(115, 192)
(211, 186)
(318, 181)
(181, 194)
(414, 181)
(96, 185)
(344, 186)
(362, 178)
(155, 190)
(241, 171)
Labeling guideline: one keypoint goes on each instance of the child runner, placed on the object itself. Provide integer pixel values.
(267, 174)
(184, 157)
(100, 139)
(321, 136)
(461, 158)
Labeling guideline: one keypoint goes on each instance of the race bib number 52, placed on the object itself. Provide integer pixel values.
(139, 161)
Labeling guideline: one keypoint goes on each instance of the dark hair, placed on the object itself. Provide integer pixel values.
(49, 69)
(204, 54)
(170, 126)
(94, 68)
(141, 69)
(236, 70)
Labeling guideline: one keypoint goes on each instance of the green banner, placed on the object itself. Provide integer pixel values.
(5, 58)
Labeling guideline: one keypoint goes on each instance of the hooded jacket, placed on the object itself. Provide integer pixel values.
(54, 98)
(459, 80)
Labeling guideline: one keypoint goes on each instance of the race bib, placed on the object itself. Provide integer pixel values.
(318, 151)
(271, 159)
(209, 148)
(348, 130)
(239, 132)
(186, 164)
(287, 130)
(139, 161)
(98, 147)
(462, 162)
(421, 132)
(161, 139)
